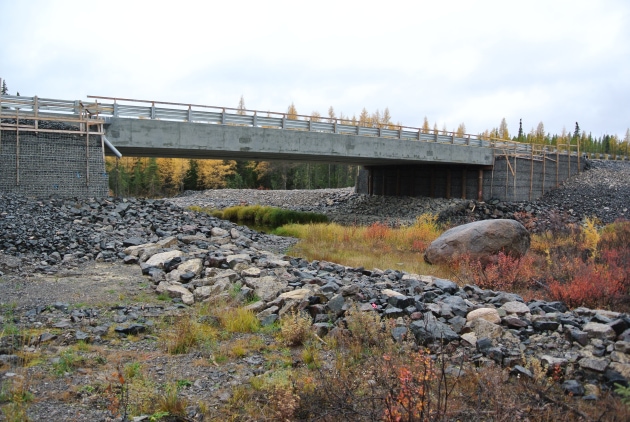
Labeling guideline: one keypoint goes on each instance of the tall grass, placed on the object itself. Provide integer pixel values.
(263, 215)
(375, 246)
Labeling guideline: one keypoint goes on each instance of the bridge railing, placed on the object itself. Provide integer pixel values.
(55, 109)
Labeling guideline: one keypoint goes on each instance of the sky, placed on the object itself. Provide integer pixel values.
(472, 62)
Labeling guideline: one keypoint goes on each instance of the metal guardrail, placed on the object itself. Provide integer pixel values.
(55, 109)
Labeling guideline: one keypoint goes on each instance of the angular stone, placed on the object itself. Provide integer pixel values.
(267, 288)
(194, 265)
(601, 331)
(514, 322)
(573, 387)
(518, 308)
(136, 250)
(488, 314)
(232, 260)
(621, 368)
(251, 272)
(552, 361)
(159, 259)
(336, 303)
(167, 242)
(350, 289)
(256, 306)
(545, 325)
(471, 338)
(619, 357)
(594, 364)
(175, 290)
(622, 346)
(429, 330)
(447, 286)
(484, 328)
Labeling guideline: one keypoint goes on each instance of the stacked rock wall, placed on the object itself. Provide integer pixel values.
(40, 164)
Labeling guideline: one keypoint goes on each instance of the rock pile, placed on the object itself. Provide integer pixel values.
(49, 234)
(489, 327)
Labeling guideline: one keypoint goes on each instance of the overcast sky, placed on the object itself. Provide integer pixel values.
(471, 62)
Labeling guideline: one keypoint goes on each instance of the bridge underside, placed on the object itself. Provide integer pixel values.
(511, 178)
(159, 138)
(430, 180)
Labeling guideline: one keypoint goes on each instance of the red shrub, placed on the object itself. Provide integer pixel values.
(507, 273)
(377, 231)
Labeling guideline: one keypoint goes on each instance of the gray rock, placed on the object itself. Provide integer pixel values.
(480, 240)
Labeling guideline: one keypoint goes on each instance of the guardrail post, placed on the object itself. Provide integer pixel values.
(284, 121)
(310, 125)
(400, 133)
(436, 135)
(453, 138)
(468, 140)
(115, 109)
(379, 133)
(223, 117)
(335, 127)
(419, 132)
(255, 119)
(152, 111)
(189, 114)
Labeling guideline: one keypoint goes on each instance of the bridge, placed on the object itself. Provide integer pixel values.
(396, 160)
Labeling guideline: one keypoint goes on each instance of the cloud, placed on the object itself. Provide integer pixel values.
(452, 61)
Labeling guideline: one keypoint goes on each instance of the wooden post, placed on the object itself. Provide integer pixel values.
(569, 160)
(448, 183)
(480, 185)
(544, 172)
(578, 160)
(17, 147)
(383, 189)
(87, 155)
(514, 176)
(557, 165)
(531, 172)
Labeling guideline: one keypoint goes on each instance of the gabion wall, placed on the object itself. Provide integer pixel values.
(52, 164)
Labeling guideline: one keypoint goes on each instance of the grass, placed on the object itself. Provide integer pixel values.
(375, 246)
(263, 215)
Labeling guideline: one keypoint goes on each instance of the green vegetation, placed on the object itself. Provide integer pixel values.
(263, 216)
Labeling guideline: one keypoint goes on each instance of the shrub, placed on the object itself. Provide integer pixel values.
(594, 285)
(184, 334)
(295, 328)
(239, 320)
(507, 273)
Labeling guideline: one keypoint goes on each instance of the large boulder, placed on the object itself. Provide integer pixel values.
(480, 240)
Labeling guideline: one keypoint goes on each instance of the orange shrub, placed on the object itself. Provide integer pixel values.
(377, 231)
